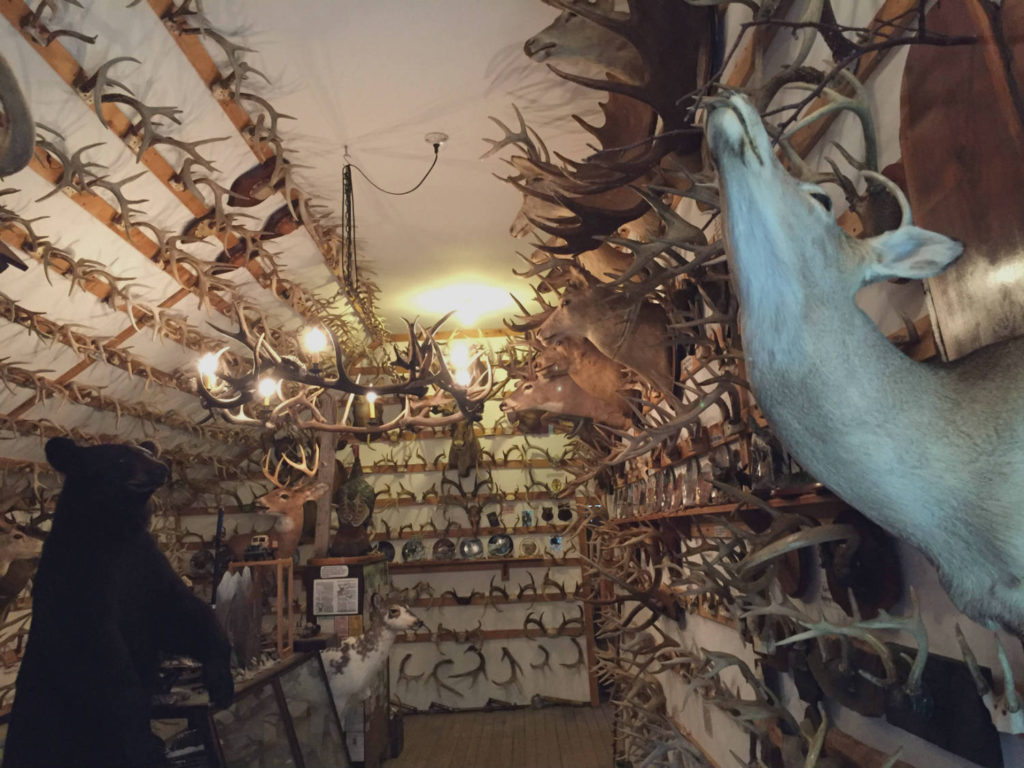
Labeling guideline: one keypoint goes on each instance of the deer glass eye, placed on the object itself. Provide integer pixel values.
(818, 194)
(393, 613)
(284, 497)
(824, 200)
(527, 387)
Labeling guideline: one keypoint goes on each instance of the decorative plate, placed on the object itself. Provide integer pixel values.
(413, 550)
(529, 547)
(444, 549)
(471, 548)
(387, 549)
(499, 545)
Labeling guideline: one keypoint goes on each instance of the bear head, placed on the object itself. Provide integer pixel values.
(114, 479)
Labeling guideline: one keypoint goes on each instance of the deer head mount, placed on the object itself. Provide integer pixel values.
(849, 405)
(285, 503)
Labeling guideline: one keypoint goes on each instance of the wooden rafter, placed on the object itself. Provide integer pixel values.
(46, 428)
(90, 396)
(207, 70)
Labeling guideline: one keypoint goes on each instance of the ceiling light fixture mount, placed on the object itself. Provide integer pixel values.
(437, 138)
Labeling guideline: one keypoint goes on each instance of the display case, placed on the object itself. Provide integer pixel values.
(282, 717)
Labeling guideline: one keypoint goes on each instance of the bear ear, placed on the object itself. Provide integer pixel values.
(148, 445)
(60, 452)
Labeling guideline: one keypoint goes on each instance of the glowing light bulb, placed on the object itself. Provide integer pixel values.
(459, 353)
(371, 398)
(266, 388)
(462, 377)
(314, 340)
(207, 365)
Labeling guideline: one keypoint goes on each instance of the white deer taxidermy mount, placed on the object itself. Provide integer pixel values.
(352, 666)
(933, 453)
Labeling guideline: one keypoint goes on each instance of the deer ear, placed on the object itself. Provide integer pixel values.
(61, 452)
(316, 490)
(377, 601)
(910, 252)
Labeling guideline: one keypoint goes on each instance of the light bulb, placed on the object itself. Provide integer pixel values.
(207, 365)
(266, 387)
(463, 377)
(459, 353)
(314, 340)
(371, 398)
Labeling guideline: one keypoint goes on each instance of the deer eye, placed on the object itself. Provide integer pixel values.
(284, 496)
(393, 613)
(527, 387)
(818, 195)
(18, 536)
(566, 302)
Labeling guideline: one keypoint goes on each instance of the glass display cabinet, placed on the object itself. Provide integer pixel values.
(282, 717)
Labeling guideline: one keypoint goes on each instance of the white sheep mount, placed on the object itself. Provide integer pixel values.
(354, 664)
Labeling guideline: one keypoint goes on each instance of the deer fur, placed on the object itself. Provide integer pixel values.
(587, 47)
(933, 453)
(631, 333)
(562, 396)
(352, 666)
(594, 372)
(285, 505)
(16, 545)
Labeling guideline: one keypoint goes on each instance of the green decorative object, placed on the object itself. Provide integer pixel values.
(355, 497)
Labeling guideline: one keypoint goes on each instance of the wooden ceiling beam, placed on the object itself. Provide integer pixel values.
(90, 396)
(197, 55)
(46, 428)
(120, 125)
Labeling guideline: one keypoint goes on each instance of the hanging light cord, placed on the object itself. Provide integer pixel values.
(388, 191)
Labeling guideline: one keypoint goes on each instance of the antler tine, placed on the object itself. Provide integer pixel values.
(859, 105)
(276, 477)
(309, 471)
(520, 138)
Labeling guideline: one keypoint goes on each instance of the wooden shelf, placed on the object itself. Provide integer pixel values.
(450, 602)
(462, 532)
(492, 634)
(442, 433)
(703, 449)
(481, 564)
(393, 469)
(815, 504)
(385, 502)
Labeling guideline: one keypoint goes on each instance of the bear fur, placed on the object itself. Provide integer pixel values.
(105, 605)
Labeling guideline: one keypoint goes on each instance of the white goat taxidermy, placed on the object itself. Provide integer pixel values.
(352, 666)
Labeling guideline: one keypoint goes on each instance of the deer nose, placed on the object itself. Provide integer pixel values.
(533, 47)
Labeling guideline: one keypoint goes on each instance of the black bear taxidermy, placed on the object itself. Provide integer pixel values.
(105, 605)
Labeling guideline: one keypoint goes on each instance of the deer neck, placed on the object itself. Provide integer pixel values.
(842, 398)
(288, 529)
(375, 643)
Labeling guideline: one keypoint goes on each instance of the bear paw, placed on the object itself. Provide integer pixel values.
(219, 683)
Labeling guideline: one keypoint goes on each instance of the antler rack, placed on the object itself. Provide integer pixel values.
(298, 385)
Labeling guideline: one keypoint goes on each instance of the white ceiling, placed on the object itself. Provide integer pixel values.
(377, 75)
